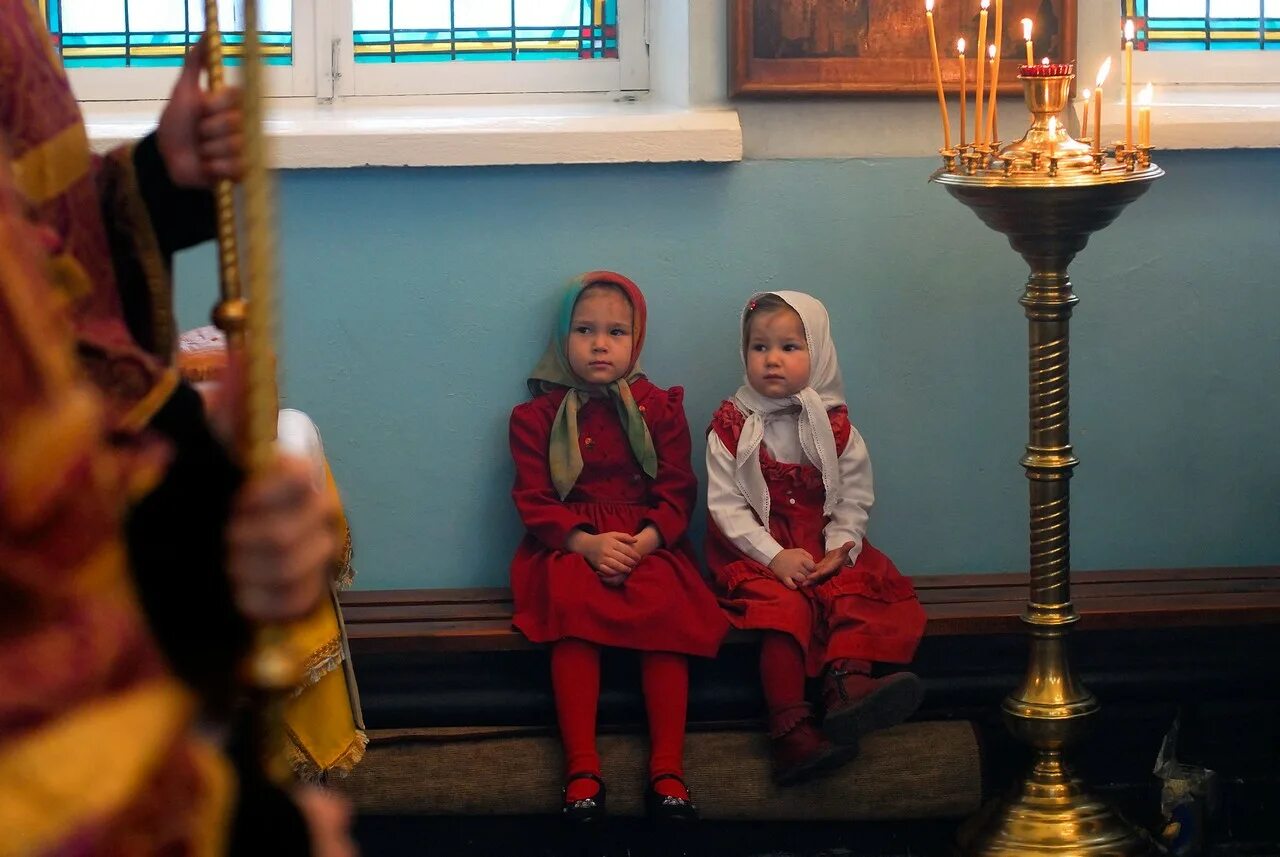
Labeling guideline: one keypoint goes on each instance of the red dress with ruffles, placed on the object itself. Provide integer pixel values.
(664, 605)
(867, 611)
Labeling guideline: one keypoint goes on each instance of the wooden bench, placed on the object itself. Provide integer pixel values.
(449, 686)
(474, 620)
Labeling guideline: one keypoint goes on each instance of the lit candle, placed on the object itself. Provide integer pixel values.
(1144, 116)
(1128, 84)
(1026, 37)
(1044, 60)
(1103, 71)
(993, 127)
(937, 76)
(979, 89)
(1086, 95)
(1053, 135)
(960, 45)
(993, 53)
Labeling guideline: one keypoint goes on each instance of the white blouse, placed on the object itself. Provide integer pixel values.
(735, 518)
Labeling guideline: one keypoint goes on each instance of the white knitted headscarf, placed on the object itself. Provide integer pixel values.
(824, 391)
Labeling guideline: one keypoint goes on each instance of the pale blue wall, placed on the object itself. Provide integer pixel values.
(416, 300)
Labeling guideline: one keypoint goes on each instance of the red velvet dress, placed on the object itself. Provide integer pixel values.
(867, 611)
(665, 605)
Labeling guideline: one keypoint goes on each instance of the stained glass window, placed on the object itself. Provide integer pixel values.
(397, 31)
(118, 33)
(1203, 25)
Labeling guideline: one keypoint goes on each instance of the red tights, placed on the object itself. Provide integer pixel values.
(782, 670)
(575, 677)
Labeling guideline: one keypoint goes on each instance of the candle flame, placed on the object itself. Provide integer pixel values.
(1103, 72)
(960, 45)
(991, 52)
(1053, 126)
(1145, 96)
(1086, 94)
(1026, 29)
(1128, 30)
(985, 4)
(928, 6)
(1044, 61)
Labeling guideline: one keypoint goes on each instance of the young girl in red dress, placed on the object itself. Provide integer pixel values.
(789, 490)
(605, 489)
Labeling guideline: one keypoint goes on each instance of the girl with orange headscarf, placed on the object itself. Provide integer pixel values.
(605, 489)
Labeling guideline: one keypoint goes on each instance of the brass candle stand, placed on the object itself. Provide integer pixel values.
(1048, 193)
(246, 313)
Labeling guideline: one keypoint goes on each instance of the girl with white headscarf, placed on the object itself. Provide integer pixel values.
(789, 492)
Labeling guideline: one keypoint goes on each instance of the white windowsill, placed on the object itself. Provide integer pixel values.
(1205, 117)
(419, 132)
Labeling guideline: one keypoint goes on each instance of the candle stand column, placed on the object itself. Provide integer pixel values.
(1048, 194)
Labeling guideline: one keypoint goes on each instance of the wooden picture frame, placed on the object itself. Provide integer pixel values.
(879, 47)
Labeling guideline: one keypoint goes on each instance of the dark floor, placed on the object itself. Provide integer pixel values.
(536, 837)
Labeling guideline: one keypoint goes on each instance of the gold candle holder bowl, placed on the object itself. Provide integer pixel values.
(1047, 156)
(1047, 97)
(1047, 194)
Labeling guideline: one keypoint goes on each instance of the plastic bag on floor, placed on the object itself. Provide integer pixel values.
(1188, 798)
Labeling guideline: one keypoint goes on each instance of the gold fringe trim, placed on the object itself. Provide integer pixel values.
(346, 571)
(320, 663)
(132, 207)
(308, 769)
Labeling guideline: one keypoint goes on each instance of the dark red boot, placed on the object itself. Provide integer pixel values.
(857, 704)
(800, 751)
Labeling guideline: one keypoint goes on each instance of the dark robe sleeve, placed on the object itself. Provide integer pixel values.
(181, 218)
(176, 538)
(177, 546)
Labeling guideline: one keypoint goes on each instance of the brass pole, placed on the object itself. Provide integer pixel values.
(229, 312)
(273, 668)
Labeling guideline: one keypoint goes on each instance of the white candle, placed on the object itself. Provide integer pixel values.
(992, 106)
(979, 90)
(1128, 84)
(1103, 71)
(960, 46)
(1144, 116)
(994, 53)
(937, 76)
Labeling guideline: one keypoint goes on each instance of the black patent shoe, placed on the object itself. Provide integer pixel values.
(665, 809)
(588, 809)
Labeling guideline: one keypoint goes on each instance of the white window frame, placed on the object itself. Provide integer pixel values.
(628, 73)
(155, 83)
(324, 67)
